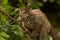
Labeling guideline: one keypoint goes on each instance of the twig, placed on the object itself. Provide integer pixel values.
(24, 28)
(52, 32)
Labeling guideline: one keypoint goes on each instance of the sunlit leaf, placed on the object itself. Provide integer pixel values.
(5, 2)
(1, 38)
(20, 1)
(4, 34)
(58, 2)
(51, 0)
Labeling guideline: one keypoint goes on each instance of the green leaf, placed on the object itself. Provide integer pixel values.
(1, 38)
(4, 34)
(4, 2)
(51, 0)
(20, 1)
(40, 4)
(37, 5)
(2, 19)
(17, 30)
(58, 2)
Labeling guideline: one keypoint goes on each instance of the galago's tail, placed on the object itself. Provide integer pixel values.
(54, 34)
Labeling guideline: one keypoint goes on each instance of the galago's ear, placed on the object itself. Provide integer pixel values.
(27, 10)
(30, 10)
(19, 9)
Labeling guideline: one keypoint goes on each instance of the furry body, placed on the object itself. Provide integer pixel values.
(37, 23)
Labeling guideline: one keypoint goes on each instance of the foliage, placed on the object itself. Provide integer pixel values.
(11, 31)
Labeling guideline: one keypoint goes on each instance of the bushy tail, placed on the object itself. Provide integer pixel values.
(54, 34)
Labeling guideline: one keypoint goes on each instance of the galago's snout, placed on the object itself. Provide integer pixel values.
(19, 19)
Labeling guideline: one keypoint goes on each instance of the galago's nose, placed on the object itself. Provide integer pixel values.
(19, 19)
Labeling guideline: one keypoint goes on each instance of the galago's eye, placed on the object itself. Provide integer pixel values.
(20, 11)
(23, 11)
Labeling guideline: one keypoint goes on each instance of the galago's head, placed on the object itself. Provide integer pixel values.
(23, 14)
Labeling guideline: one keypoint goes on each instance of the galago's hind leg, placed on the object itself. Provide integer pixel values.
(43, 34)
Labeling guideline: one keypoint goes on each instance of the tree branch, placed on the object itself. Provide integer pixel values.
(52, 32)
(24, 28)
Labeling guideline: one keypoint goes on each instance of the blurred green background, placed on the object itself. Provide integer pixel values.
(11, 31)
